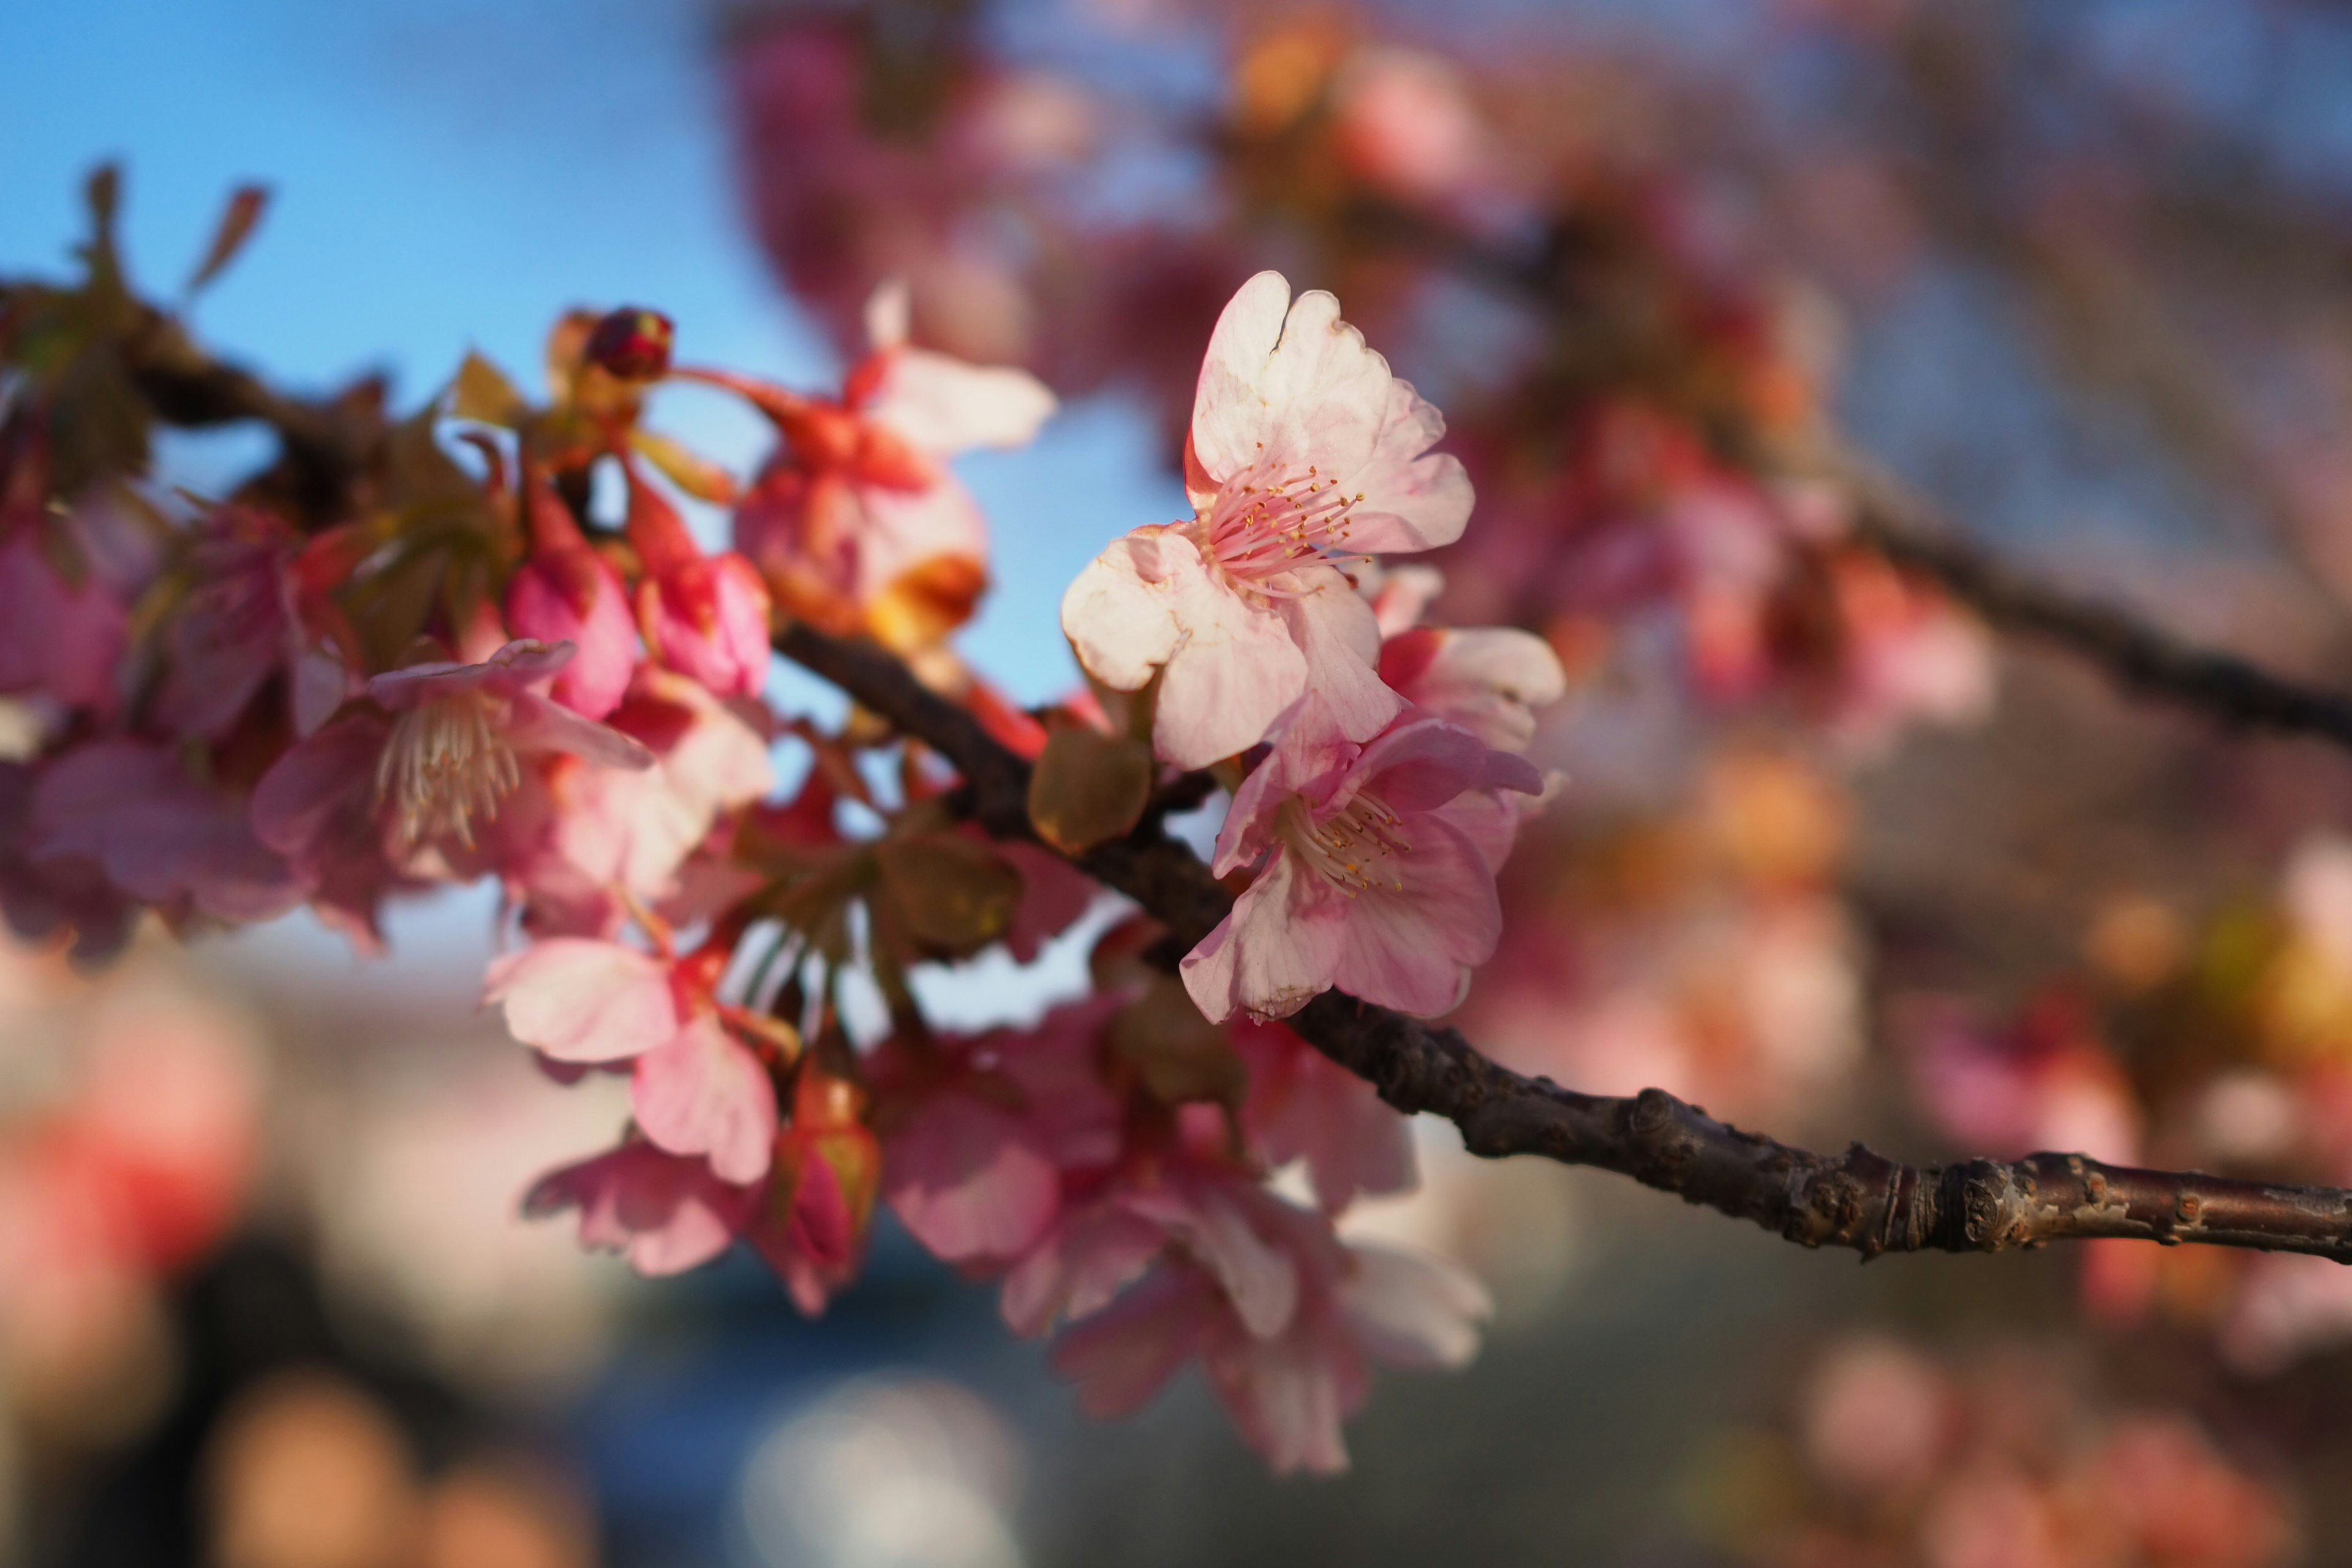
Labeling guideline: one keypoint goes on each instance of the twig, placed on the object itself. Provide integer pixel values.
(2135, 654)
(1857, 1199)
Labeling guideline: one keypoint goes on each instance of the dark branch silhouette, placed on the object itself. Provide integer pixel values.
(2142, 659)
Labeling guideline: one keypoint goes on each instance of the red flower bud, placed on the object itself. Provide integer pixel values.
(633, 343)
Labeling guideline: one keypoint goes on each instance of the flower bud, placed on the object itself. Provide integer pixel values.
(633, 343)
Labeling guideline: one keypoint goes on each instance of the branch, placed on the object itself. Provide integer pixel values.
(1857, 1199)
(2136, 656)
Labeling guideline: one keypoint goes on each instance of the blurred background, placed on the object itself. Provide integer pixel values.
(1830, 862)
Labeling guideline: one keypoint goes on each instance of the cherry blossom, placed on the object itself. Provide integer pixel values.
(1306, 455)
(566, 592)
(1304, 1106)
(857, 522)
(1374, 873)
(1288, 1378)
(696, 1089)
(666, 1213)
(704, 616)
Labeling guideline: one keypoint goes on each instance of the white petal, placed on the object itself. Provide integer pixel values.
(945, 406)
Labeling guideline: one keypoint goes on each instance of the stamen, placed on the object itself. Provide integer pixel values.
(444, 765)
(1355, 849)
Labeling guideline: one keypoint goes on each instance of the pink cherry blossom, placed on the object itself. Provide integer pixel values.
(57, 894)
(64, 616)
(1304, 1106)
(400, 789)
(1305, 454)
(239, 623)
(161, 835)
(1370, 873)
(565, 592)
(459, 732)
(1488, 679)
(610, 832)
(1289, 1381)
(695, 1088)
(975, 1166)
(857, 522)
(704, 616)
(664, 1212)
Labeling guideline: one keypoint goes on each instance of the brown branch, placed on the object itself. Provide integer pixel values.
(1857, 1199)
(2135, 654)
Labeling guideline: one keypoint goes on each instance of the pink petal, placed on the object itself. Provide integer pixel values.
(1231, 677)
(1413, 499)
(1340, 642)
(1302, 1105)
(1488, 679)
(1210, 1216)
(160, 836)
(1077, 1267)
(1404, 596)
(968, 1182)
(900, 529)
(1418, 765)
(1123, 1355)
(582, 1001)
(518, 665)
(536, 724)
(666, 1213)
(1413, 1311)
(703, 1093)
(1412, 949)
(1119, 613)
(542, 603)
(945, 406)
(1274, 953)
(1054, 894)
(57, 639)
(1287, 1396)
(1225, 417)
(1287, 389)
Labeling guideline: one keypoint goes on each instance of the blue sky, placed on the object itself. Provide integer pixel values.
(451, 173)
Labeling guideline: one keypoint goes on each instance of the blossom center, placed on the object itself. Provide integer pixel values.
(1355, 849)
(444, 765)
(1271, 517)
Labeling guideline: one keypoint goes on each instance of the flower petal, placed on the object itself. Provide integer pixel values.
(1339, 639)
(946, 407)
(703, 1093)
(578, 1000)
(1274, 953)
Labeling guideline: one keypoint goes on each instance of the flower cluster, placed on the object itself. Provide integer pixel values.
(500, 650)
(1374, 823)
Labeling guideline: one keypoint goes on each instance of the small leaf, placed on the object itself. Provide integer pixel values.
(1180, 1055)
(1088, 788)
(951, 894)
(237, 221)
(482, 391)
(695, 474)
